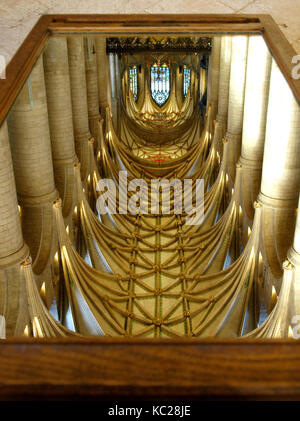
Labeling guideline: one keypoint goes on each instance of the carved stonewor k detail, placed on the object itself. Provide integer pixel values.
(166, 44)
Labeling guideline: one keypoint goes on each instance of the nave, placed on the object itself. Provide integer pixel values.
(144, 270)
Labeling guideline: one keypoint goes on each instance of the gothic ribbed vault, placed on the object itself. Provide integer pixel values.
(85, 116)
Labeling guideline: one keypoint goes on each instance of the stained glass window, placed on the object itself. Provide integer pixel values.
(160, 83)
(186, 80)
(133, 81)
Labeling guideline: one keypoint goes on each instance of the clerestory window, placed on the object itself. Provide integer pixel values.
(133, 81)
(186, 80)
(160, 83)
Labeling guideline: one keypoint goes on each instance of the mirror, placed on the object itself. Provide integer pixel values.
(151, 190)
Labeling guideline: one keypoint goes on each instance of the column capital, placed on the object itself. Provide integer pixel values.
(276, 202)
(250, 163)
(38, 200)
(14, 258)
(293, 257)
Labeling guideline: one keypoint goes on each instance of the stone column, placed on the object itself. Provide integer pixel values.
(294, 258)
(11, 238)
(281, 170)
(57, 81)
(112, 74)
(31, 151)
(236, 99)
(296, 242)
(13, 251)
(119, 89)
(113, 88)
(178, 79)
(30, 138)
(92, 87)
(281, 166)
(118, 75)
(108, 86)
(79, 100)
(224, 78)
(32, 159)
(202, 85)
(100, 42)
(213, 76)
(254, 121)
(141, 85)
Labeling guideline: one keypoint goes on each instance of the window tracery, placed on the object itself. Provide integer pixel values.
(160, 83)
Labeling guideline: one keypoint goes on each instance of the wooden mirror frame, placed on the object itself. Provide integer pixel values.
(111, 368)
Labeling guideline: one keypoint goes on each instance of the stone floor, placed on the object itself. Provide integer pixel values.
(17, 17)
